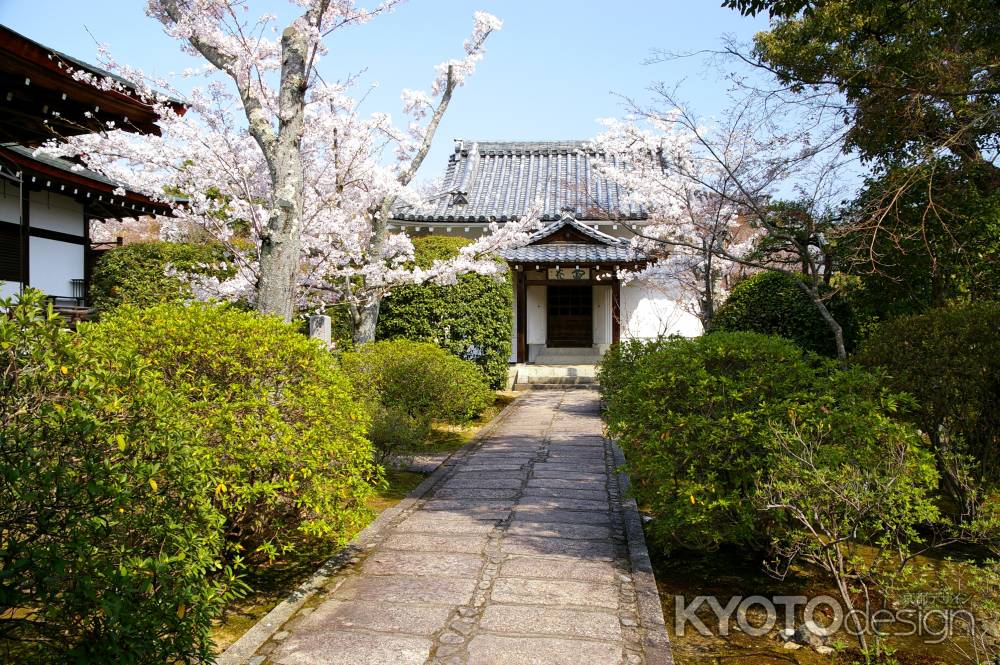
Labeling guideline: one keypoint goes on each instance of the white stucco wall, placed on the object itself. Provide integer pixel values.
(647, 311)
(54, 264)
(56, 212)
(537, 318)
(602, 315)
(8, 289)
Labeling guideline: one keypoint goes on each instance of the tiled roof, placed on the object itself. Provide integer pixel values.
(571, 254)
(499, 180)
(606, 249)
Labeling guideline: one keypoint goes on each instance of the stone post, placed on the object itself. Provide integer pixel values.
(319, 328)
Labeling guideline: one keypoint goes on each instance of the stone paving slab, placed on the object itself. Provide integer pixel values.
(498, 650)
(522, 550)
(551, 621)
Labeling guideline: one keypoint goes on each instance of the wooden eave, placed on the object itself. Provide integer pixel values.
(40, 99)
(98, 196)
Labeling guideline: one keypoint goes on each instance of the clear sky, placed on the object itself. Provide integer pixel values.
(556, 67)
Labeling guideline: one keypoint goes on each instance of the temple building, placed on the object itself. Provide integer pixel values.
(47, 204)
(569, 303)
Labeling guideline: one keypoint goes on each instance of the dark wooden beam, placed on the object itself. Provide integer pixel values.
(616, 299)
(522, 316)
(25, 235)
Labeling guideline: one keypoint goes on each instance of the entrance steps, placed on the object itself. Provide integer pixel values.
(568, 356)
(558, 368)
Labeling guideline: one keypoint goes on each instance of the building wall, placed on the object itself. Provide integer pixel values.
(537, 320)
(648, 311)
(56, 212)
(53, 264)
(10, 212)
(602, 317)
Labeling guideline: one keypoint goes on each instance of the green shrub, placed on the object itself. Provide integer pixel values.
(274, 411)
(695, 418)
(471, 319)
(414, 383)
(949, 360)
(772, 303)
(110, 550)
(149, 273)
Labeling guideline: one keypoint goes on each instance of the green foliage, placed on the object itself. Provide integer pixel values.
(273, 410)
(149, 273)
(408, 384)
(917, 76)
(937, 240)
(695, 419)
(772, 303)
(949, 360)
(471, 319)
(110, 550)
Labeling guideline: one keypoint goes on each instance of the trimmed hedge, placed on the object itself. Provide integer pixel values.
(949, 360)
(111, 549)
(273, 409)
(471, 319)
(150, 273)
(696, 419)
(772, 303)
(409, 384)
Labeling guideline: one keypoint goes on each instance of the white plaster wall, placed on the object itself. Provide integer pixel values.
(8, 289)
(536, 314)
(53, 264)
(648, 311)
(55, 212)
(602, 314)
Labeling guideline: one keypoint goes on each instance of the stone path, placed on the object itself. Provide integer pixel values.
(524, 552)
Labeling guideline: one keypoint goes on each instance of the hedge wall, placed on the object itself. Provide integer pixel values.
(145, 274)
(471, 319)
(772, 303)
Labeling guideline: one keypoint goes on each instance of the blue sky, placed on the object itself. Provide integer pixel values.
(556, 66)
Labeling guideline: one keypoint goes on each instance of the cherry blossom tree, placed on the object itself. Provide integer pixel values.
(279, 162)
(711, 190)
(695, 221)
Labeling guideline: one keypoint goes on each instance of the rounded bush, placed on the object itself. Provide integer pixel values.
(419, 379)
(471, 318)
(695, 418)
(949, 360)
(111, 549)
(772, 303)
(273, 410)
(150, 273)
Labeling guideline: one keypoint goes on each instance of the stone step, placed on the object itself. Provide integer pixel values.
(555, 376)
(562, 361)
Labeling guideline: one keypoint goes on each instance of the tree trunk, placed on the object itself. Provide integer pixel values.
(365, 322)
(279, 262)
(835, 328)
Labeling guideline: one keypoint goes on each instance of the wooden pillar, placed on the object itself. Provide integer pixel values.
(25, 233)
(616, 299)
(522, 315)
(88, 258)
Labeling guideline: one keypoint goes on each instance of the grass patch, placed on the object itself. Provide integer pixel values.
(445, 437)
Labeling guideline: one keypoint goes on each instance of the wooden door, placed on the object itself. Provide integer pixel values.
(570, 316)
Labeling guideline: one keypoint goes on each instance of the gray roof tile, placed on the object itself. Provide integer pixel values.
(500, 179)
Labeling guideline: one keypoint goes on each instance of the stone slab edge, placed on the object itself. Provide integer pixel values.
(240, 651)
(655, 642)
